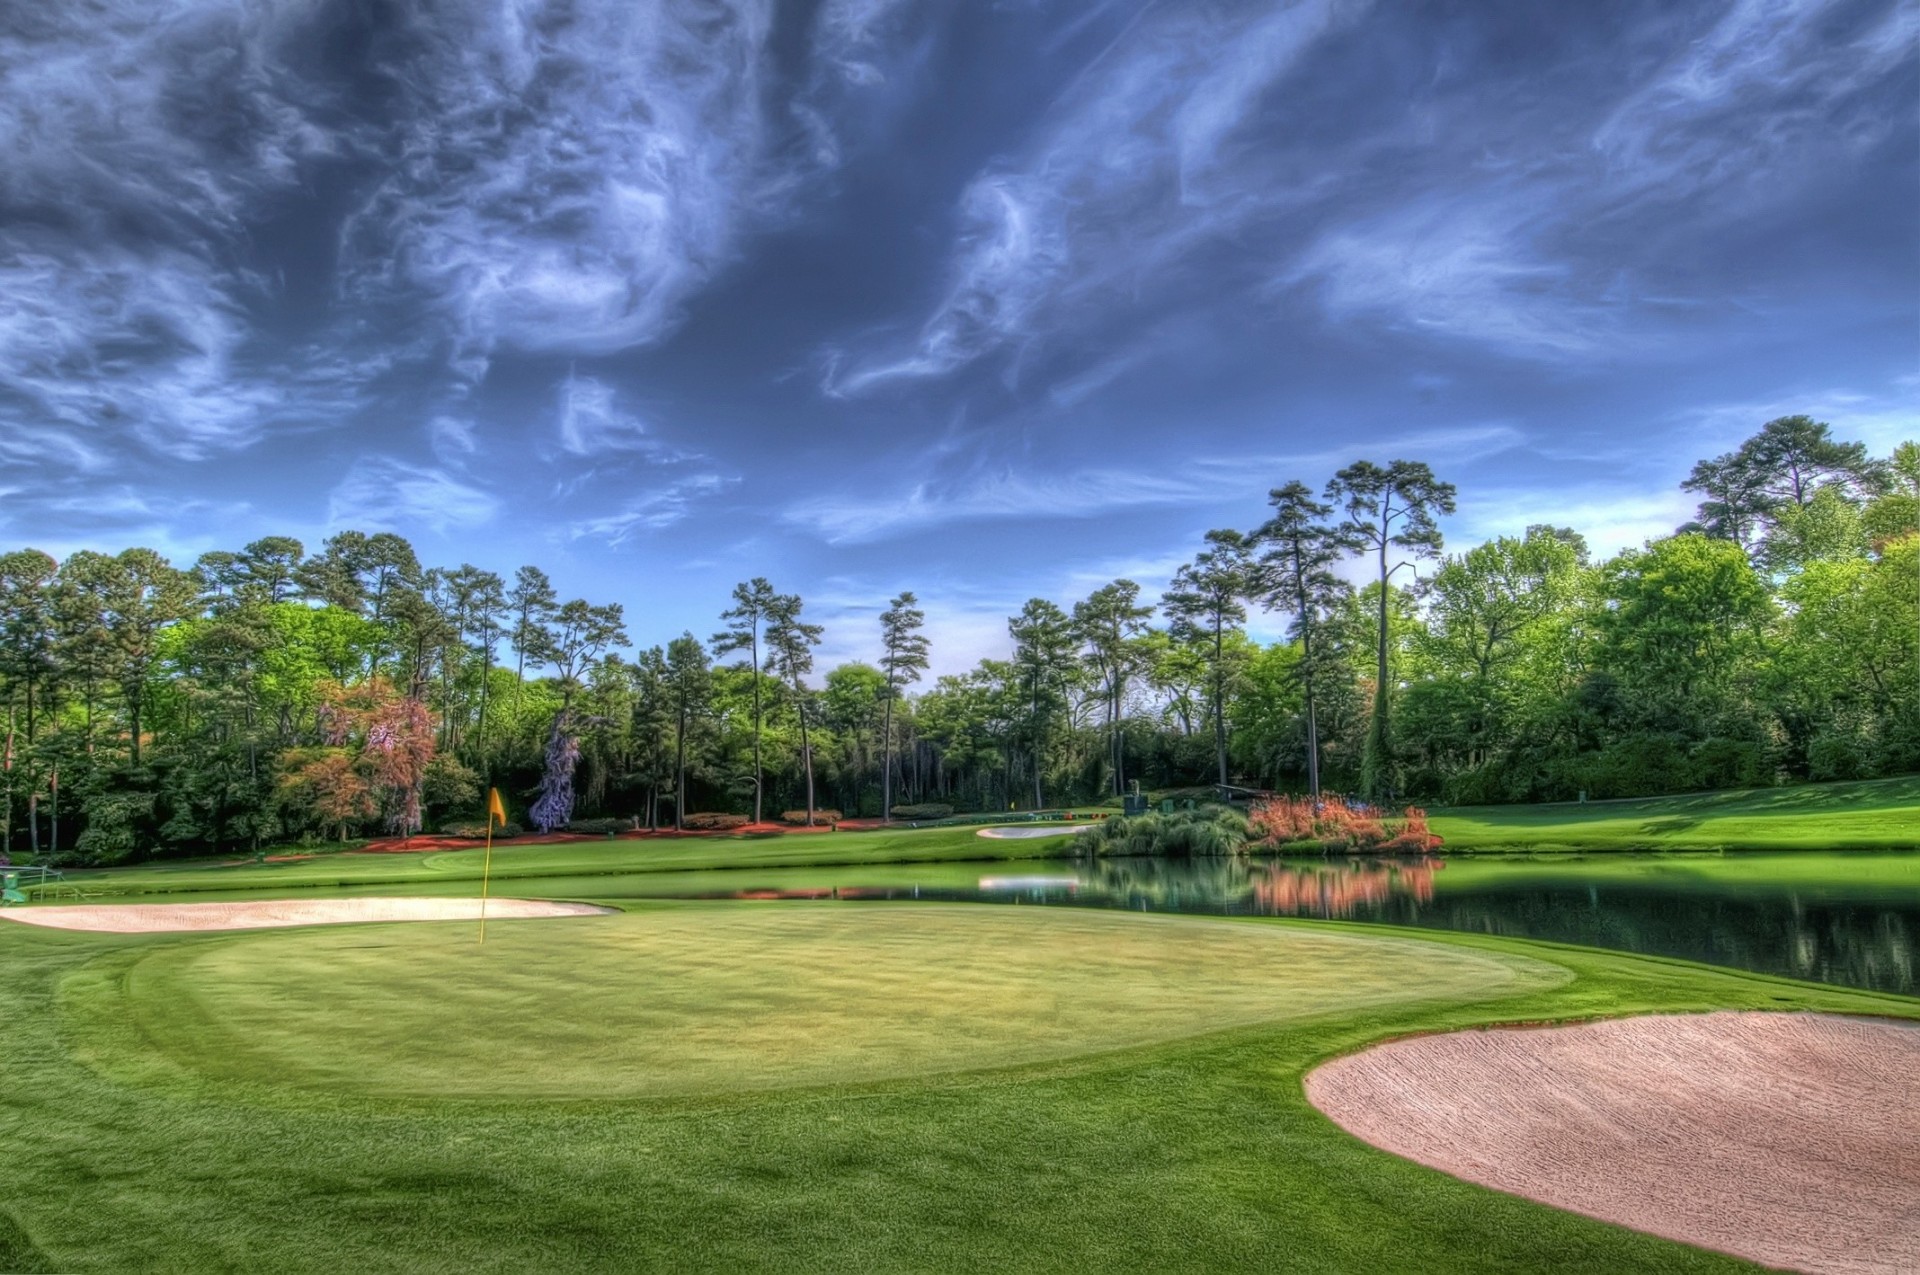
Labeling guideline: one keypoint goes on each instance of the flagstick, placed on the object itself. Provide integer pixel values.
(486, 875)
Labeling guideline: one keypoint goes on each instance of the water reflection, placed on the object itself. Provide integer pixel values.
(1836, 932)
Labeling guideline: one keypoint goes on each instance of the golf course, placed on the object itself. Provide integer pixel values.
(619, 1081)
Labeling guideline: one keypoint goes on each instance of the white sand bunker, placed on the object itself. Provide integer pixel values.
(1027, 834)
(266, 914)
(1789, 1139)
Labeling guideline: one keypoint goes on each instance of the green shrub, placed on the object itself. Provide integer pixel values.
(600, 827)
(924, 810)
(477, 830)
(800, 816)
(1837, 757)
(710, 821)
(1207, 833)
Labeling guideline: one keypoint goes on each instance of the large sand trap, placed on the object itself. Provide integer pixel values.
(1789, 1139)
(155, 918)
(1026, 834)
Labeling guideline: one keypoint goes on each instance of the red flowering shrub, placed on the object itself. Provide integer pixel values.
(1336, 824)
(709, 821)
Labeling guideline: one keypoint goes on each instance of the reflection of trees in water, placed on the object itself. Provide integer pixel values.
(1338, 889)
(1173, 885)
(1871, 943)
(1865, 945)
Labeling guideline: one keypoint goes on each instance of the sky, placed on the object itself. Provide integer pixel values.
(985, 299)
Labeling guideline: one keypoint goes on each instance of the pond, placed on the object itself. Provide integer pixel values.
(1845, 917)
(1851, 918)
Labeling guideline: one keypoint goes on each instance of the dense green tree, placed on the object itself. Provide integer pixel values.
(1295, 577)
(903, 658)
(790, 643)
(752, 601)
(1395, 507)
(1205, 603)
(530, 605)
(689, 692)
(1043, 643)
(1109, 624)
(1684, 617)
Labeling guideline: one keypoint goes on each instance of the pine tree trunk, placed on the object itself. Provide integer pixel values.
(759, 779)
(680, 771)
(886, 760)
(1219, 705)
(806, 754)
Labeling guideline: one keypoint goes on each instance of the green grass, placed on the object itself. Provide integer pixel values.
(577, 859)
(1881, 814)
(132, 1144)
(1856, 876)
(685, 1002)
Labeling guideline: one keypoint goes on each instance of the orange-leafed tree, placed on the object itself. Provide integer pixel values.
(379, 744)
(328, 786)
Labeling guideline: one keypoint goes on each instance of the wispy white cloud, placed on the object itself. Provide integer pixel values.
(136, 149)
(113, 343)
(591, 422)
(653, 510)
(1769, 79)
(1464, 269)
(385, 493)
(451, 439)
(573, 173)
(990, 491)
(1139, 164)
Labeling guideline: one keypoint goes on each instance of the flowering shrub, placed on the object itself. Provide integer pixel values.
(478, 831)
(819, 816)
(708, 821)
(924, 810)
(1336, 824)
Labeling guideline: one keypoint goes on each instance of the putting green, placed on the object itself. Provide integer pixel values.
(730, 998)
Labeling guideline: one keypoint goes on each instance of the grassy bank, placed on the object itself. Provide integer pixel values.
(573, 859)
(310, 1146)
(1882, 814)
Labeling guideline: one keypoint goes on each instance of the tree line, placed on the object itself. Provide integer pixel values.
(270, 694)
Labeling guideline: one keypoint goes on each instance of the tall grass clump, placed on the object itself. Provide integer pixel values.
(1207, 833)
(1336, 825)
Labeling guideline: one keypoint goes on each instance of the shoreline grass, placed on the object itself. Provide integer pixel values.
(1881, 814)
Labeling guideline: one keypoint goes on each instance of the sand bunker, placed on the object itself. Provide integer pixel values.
(266, 914)
(1788, 1139)
(1026, 834)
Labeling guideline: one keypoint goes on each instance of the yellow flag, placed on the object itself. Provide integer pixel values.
(495, 810)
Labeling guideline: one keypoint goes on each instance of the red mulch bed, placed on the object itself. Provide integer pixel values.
(423, 843)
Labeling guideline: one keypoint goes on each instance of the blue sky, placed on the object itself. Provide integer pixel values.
(981, 298)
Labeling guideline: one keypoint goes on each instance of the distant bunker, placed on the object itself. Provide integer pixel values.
(268, 914)
(1789, 1139)
(1028, 834)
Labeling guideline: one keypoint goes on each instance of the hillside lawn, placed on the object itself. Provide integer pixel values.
(773, 1086)
(1881, 814)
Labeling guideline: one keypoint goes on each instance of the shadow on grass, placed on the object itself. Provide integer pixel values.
(1670, 824)
(17, 1252)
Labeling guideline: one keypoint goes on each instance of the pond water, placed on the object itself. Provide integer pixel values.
(1844, 917)
(1849, 918)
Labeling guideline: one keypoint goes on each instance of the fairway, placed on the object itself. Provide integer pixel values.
(673, 1002)
(1879, 814)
